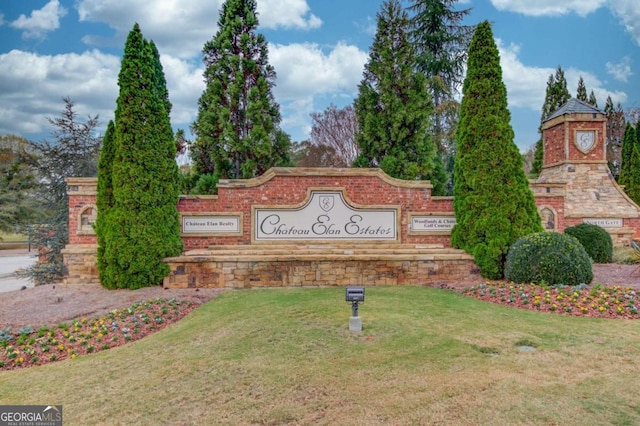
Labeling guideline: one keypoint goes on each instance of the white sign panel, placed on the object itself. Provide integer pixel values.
(432, 223)
(326, 216)
(604, 223)
(210, 224)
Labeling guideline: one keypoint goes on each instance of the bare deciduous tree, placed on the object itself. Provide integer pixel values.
(336, 129)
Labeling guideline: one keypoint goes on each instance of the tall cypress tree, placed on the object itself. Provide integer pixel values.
(628, 145)
(616, 126)
(237, 127)
(592, 99)
(632, 187)
(143, 225)
(556, 95)
(581, 91)
(104, 197)
(160, 82)
(493, 204)
(393, 106)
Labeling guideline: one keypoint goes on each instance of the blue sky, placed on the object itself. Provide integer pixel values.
(50, 49)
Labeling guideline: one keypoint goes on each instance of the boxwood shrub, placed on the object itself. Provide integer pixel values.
(548, 257)
(595, 240)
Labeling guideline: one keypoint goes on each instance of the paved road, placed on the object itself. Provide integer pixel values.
(9, 263)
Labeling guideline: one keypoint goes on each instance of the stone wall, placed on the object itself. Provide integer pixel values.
(302, 265)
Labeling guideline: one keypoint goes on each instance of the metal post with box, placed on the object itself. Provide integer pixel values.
(354, 295)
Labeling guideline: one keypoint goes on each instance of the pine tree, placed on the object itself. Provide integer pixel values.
(592, 99)
(237, 127)
(143, 226)
(441, 42)
(493, 204)
(556, 95)
(581, 92)
(72, 153)
(628, 145)
(393, 106)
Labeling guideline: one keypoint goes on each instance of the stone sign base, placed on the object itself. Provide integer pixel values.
(79, 263)
(318, 265)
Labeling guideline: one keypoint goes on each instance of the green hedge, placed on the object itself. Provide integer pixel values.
(548, 257)
(595, 240)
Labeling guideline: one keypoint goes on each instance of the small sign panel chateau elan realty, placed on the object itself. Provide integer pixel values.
(326, 216)
(210, 224)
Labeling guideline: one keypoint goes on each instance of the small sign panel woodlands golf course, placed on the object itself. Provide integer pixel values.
(432, 223)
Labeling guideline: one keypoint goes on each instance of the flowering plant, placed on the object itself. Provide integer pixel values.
(597, 301)
(82, 336)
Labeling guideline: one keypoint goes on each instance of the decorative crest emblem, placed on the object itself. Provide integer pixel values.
(585, 140)
(326, 202)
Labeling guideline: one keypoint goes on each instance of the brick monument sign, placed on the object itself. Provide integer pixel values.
(327, 226)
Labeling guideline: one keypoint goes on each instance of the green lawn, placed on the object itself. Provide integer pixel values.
(12, 238)
(286, 356)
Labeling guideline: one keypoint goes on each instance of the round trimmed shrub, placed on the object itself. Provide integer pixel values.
(548, 257)
(595, 240)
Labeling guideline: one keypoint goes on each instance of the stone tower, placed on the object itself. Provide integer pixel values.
(575, 184)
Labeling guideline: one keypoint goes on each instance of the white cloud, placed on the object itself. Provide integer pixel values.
(620, 71)
(549, 7)
(526, 85)
(629, 13)
(178, 28)
(305, 70)
(286, 14)
(181, 28)
(185, 85)
(89, 79)
(41, 21)
(306, 73)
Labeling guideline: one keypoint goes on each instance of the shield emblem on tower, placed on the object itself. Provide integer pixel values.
(326, 202)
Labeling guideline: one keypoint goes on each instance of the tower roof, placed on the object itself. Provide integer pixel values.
(574, 106)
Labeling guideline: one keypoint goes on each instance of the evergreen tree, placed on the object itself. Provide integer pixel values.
(592, 99)
(628, 145)
(538, 159)
(237, 127)
(556, 95)
(393, 106)
(73, 152)
(581, 92)
(104, 196)
(493, 204)
(143, 226)
(441, 42)
(159, 81)
(616, 123)
(632, 187)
